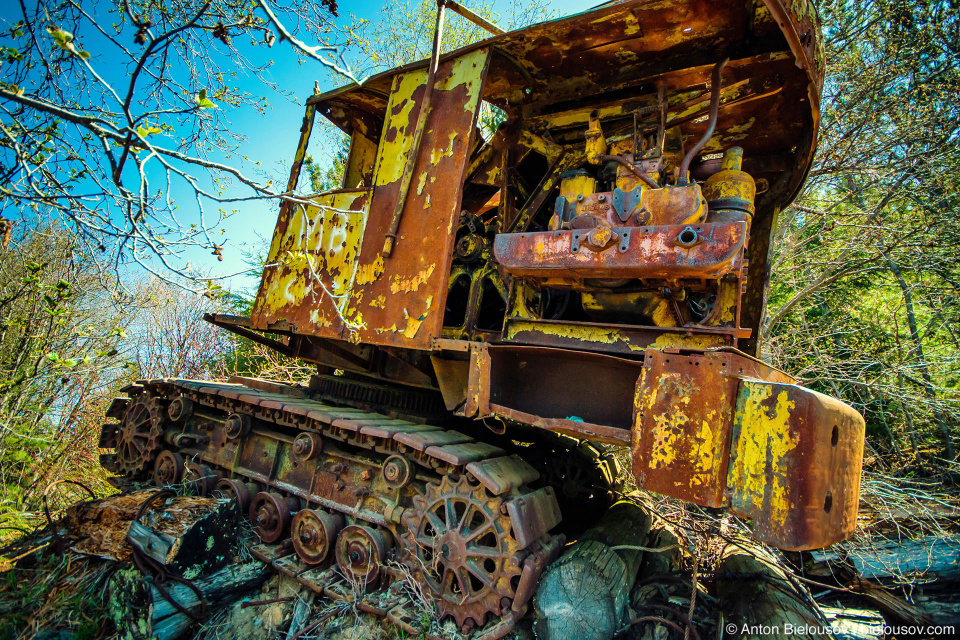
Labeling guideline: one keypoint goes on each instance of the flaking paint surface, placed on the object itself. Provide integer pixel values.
(759, 457)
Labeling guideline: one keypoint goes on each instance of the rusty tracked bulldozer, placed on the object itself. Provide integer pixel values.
(490, 313)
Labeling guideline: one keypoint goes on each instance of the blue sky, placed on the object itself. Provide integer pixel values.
(271, 138)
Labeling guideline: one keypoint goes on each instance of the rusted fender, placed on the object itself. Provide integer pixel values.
(672, 251)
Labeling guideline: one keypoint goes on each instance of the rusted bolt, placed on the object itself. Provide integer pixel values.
(362, 492)
(579, 197)
(338, 468)
(601, 198)
(339, 485)
(367, 474)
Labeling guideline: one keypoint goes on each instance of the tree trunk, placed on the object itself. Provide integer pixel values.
(585, 593)
(760, 603)
(922, 361)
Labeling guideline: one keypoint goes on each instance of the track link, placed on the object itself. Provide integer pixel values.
(375, 501)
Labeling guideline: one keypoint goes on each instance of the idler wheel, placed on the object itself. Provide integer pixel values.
(200, 477)
(397, 472)
(307, 446)
(168, 469)
(236, 425)
(270, 514)
(139, 435)
(239, 492)
(314, 533)
(360, 552)
(180, 409)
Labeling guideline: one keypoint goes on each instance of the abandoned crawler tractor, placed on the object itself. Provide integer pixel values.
(490, 312)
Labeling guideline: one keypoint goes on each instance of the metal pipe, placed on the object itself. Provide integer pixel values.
(476, 19)
(712, 123)
(637, 172)
(406, 179)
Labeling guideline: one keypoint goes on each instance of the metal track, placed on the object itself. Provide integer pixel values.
(393, 501)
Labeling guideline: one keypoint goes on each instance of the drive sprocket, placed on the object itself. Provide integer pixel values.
(138, 438)
(461, 546)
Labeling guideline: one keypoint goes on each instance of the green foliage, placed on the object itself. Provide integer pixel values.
(59, 334)
(865, 295)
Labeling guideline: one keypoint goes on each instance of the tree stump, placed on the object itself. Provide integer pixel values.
(190, 536)
(584, 594)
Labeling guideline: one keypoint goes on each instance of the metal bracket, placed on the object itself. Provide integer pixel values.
(623, 232)
(624, 202)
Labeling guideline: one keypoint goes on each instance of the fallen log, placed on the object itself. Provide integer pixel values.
(190, 536)
(759, 601)
(854, 624)
(140, 610)
(931, 557)
(584, 594)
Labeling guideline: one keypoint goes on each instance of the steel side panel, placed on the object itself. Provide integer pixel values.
(795, 465)
(398, 301)
(312, 264)
(681, 434)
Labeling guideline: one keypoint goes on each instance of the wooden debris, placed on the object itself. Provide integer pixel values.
(854, 624)
(189, 535)
(759, 600)
(585, 593)
(930, 557)
(140, 610)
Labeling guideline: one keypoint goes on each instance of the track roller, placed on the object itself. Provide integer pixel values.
(314, 534)
(360, 552)
(237, 491)
(270, 514)
(200, 478)
(168, 469)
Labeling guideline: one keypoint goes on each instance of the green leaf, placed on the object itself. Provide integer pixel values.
(206, 104)
(84, 54)
(203, 94)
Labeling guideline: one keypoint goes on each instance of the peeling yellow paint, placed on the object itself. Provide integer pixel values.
(727, 299)
(379, 302)
(314, 252)
(437, 153)
(680, 341)
(759, 457)
(318, 319)
(411, 284)
(368, 273)
(742, 128)
(397, 137)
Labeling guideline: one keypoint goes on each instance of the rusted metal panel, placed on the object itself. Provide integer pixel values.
(684, 410)
(795, 465)
(708, 250)
(682, 425)
(312, 265)
(612, 338)
(398, 301)
(572, 428)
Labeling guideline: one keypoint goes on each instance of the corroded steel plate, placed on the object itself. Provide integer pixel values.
(795, 465)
